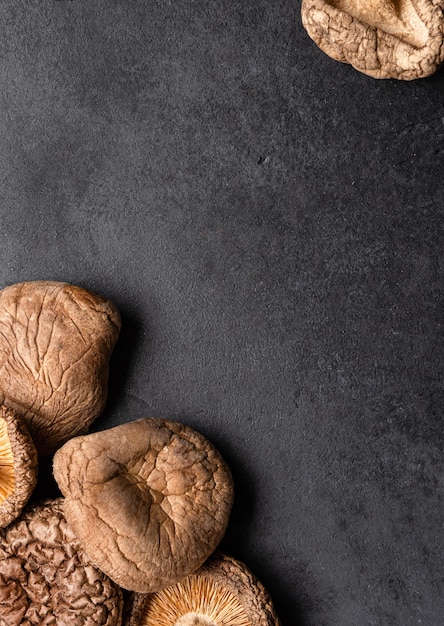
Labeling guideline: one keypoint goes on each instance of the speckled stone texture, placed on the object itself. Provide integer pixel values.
(269, 223)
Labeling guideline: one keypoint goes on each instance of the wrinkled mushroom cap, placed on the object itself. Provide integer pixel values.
(46, 578)
(55, 343)
(381, 38)
(18, 466)
(222, 592)
(149, 500)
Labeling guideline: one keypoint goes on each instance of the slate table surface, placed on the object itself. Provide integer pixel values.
(269, 223)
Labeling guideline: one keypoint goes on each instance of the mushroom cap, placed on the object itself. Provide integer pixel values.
(18, 466)
(55, 343)
(149, 500)
(223, 591)
(380, 38)
(46, 578)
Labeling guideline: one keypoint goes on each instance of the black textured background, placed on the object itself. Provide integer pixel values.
(269, 223)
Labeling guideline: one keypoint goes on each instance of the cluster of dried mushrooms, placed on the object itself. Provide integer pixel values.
(402, 39)
(133, 540)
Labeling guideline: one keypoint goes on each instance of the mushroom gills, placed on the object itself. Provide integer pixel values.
(7, 476)
(194, 619)
(395, 17)
(194, 601)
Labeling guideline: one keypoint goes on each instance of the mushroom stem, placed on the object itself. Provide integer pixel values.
(395, 17)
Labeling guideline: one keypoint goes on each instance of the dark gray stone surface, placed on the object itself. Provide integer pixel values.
(269, 223)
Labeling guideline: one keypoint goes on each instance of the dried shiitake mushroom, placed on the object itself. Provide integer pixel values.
(46, 578)
(223, 592)
(401, 39)
(18, 466)
(55, 343)
(149, 500)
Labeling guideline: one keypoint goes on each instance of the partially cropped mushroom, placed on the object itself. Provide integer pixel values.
(46, 578)
(149, 500)
(401, 39)
(18, 466)
(55, 344)
(223, 592)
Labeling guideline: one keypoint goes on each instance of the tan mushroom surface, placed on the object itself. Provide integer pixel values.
(223, 592)
(46, 578)
(402, 39)
(18, 466)
(55, 344)
(149, 500)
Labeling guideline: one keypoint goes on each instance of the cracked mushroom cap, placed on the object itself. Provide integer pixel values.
(55, 343)
(18, 466)
(381, 38)
(46, 578)
(149, 500)
(223, 592)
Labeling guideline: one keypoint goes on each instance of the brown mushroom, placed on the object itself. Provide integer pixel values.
(55, 343)
(223, 592)
(46, 578)
(149, 500)
(401, 39)
(18, 466)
